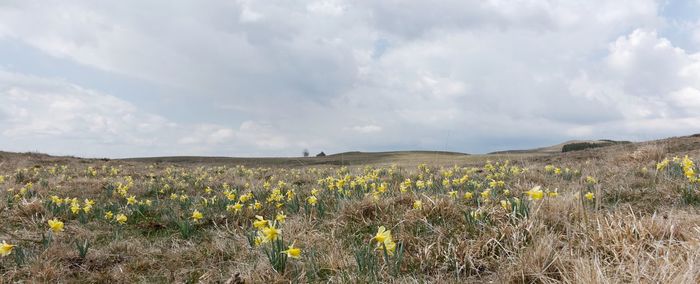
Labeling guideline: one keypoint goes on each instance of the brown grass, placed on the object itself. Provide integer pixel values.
(639, 229)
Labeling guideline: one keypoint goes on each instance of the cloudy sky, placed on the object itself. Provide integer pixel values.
(270, 78)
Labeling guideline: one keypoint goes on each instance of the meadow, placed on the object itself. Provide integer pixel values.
(616, 214)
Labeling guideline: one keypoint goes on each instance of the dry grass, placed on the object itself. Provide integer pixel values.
(642, 226)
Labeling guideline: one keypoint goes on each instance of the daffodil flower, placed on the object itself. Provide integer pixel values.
(468, 195)
(390, 247)
(292, 251)
(271, 233)
(535, 193)
(260, 223)
(417, 205)
(281, 217)
(382, 235)
(121, 219)
(5, 249)
(312, 200)
(196, 215)
(56, 225)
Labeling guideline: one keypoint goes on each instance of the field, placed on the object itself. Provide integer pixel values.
(622, 213)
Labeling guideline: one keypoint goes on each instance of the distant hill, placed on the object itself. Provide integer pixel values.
(345, 158)
(558, 148)
(415, 152)
(405, 158)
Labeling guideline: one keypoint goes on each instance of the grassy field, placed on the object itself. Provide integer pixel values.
(622, 213)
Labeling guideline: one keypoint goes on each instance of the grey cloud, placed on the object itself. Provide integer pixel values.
(269, 78)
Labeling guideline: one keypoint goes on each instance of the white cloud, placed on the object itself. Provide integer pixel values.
(63, 117)
(35, 106)
(247, 14)
(59, 117)
(327, 7)
(687, 99)
(263, 135)
(209, 135)
(652, 83)
(365, 129)
(273, 77)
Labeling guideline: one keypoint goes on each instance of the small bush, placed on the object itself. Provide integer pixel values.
(582, 146)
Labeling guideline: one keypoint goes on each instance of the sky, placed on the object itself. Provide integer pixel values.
(271, 78)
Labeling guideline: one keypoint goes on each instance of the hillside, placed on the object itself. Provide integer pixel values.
(625, 213)
(557, 148)
(357, 158)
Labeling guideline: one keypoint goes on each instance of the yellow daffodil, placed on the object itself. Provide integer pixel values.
(56, 225)
(109, 215)
(243, 198)
(260, 222)
(591, 180)
(384, 240)
(259, 239)
(486, 194)
(271, 233)
(535, 193)
(56, 200)
(687, 162)
(382, 235)
(281, 217)
(230, 196)
(292, 251)
(477, 214)
(493, 183)
(468, 195)
(505, 204)
(196, 215)
(446, 183)
(75, 208)
(312, 200)
(121, 219)
(5, 249)
(662, 165)
(390, 247)
(589, 195)
(549, 168)
(418, 205)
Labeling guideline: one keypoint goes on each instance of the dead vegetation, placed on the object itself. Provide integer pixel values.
(641, 226)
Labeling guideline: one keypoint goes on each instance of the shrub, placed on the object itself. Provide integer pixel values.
(581, 146)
